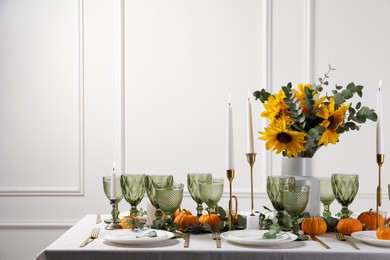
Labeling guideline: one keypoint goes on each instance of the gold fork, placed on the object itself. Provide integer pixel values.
(94, 234)
(217, 238)
(341, 237)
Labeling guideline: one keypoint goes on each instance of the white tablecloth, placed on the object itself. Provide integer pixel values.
(202, 247)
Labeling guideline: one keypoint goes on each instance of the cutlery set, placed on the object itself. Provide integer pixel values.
(216, 236)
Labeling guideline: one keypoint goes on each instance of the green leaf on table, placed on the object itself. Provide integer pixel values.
(272, 232)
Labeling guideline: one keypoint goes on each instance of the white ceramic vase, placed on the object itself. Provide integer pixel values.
(301, 169)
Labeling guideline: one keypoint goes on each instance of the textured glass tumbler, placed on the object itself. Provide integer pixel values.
(107, 191)
(274, 186)
(345, 188)
(326, 195)
(294, 201)
(169, 198)
(151, 184)
(193, 180)
(211, 193)
(133, 189)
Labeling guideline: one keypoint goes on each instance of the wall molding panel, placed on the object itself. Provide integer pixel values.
(78, 188)
(37, 224)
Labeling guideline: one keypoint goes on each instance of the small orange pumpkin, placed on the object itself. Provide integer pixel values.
(347, 226)
(383, 232)
(183, 211)
(314, 226)
(211, 218)
(185, 220)
(126, 222)
(368, 219)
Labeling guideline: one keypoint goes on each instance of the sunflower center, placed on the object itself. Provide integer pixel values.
(333, 123)
(284, 137)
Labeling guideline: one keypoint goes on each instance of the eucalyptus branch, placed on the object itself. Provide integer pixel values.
(326, 76)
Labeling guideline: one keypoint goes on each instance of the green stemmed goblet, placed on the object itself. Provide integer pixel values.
(211, 193)
(169, 198)
(133, 189)
(107, 191)
(326, 195)
(345, 188)
(151, 184)
(193, 180)
(274, 185)
(294, 201)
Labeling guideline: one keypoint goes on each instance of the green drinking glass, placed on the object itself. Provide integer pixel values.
(169, 198)
(107, 191)
(294, 201)
(274, 186)
(326, 195)
(133, 189)
(193, 180)
(345, 188)
(211, 193)
(152, 182)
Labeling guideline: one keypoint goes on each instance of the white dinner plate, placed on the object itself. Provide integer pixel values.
(129, 237)
(369, 237)
(255, 237)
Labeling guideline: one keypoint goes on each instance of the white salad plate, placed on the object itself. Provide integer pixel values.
(134, 237)
(255, 237)
(369, 237)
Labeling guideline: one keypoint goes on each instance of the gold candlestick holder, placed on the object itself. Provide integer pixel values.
(114, 225)
(230, 176)
(251, 158)
(380, 159)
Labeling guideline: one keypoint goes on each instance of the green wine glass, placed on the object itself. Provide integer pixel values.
(211, 193)
(326, 195)
(133, 189)
(169, 198)
(193, 180)
(119, 195)
(152, 182)
(345, 188)
(274, 186)
(294, 201)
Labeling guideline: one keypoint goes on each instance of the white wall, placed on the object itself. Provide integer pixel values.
(182, 59)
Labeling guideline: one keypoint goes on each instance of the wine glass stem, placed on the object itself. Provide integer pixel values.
(116, 213)
(213, 208)
(133, 211)
(159, 213)
(280, 218)
(344, 212)
(295, 225)
(326, 212)
(199, 209)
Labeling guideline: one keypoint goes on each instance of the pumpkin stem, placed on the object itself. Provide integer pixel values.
(369, 212)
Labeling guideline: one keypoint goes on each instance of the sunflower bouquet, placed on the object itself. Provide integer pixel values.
(302, 121)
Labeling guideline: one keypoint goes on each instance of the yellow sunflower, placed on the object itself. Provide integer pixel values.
(276, 108)
(279, 139)
(332, 120)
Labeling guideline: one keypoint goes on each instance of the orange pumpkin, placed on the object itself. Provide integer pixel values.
(383, 232)
(314, 226)
(211, 218)
(349, 225)
(183, 211)
(185, 220)
(126, 222)
(368, 219)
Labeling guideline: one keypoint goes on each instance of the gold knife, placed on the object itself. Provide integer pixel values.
(186, 238)
(98, 219)
(313, 237)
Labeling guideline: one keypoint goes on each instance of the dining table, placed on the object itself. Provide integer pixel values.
(201, 247)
